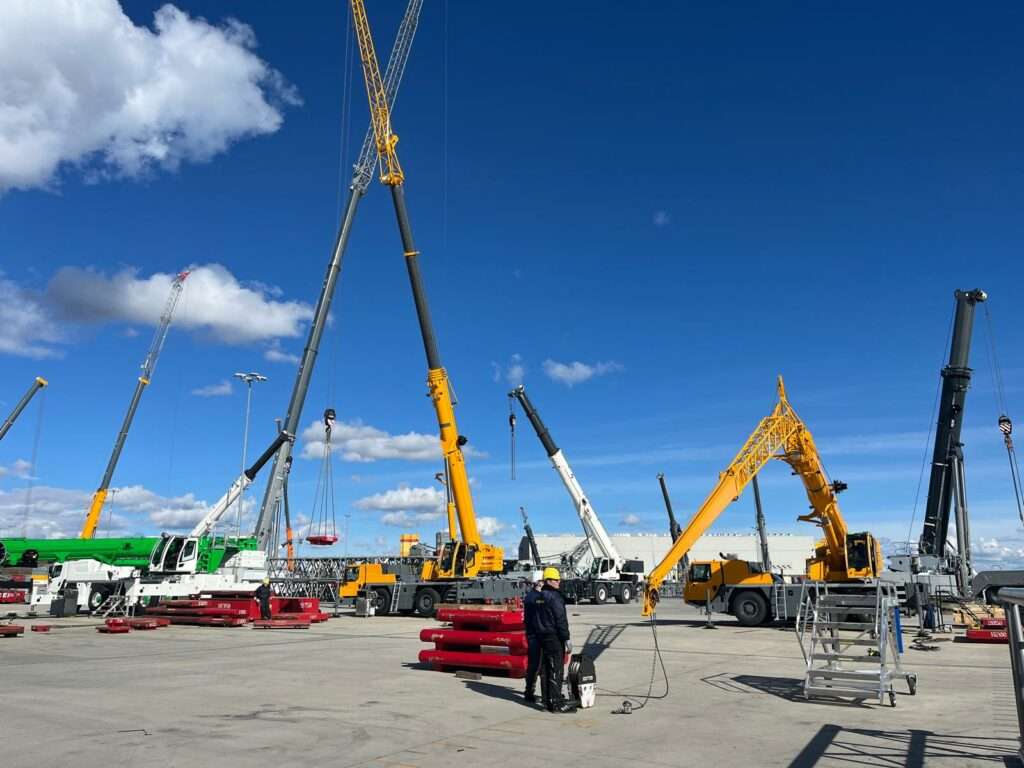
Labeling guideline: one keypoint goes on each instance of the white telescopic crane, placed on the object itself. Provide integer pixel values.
(607, 558)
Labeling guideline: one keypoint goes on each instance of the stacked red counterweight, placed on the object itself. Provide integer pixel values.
(486, 637)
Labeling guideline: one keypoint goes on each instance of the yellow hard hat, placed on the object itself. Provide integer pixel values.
(552, 573)
(266, 581)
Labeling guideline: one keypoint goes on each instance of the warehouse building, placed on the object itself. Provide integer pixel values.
(788, 551)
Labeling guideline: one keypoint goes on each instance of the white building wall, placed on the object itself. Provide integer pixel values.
(788, 551)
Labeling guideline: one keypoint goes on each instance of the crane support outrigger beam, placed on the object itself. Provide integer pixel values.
(92, 517)
(36, 385)
(362, 175)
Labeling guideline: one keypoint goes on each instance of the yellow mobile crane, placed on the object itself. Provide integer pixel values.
(457, 560)
(840, 556)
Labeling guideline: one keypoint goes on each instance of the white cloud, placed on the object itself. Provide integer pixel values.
(213, 301)
(20, 469)
(57, 512)
(405, 498)
(489, 526)
(214, 390)
(363, 443)
(577, 372)
(275, 354)
(630, 520)
(84, 87)
(26, 327)
(512, 373)
(661, 218)
(998, 553)
(403, 519)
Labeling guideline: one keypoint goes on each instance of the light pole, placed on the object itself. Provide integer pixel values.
(248, 378)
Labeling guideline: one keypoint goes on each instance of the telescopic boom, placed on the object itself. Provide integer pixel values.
(477, 556)
(38, 384)
(92, 518)
(362, 174)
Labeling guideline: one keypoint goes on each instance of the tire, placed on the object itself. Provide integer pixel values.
(625, 594)
(97, 594)
(600, 594)
(427, 601)
(382, 600)
(750, 608)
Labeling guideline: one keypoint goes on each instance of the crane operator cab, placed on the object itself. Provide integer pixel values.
(863, 560)
(175, 554)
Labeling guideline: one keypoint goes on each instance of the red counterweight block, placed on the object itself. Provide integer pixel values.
(480, 638)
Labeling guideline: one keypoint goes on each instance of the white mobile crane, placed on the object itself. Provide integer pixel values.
(610, 575)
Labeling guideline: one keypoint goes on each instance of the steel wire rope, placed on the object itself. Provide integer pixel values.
(1005, 424)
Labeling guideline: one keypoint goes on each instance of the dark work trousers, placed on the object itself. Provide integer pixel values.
(265, 608)
(552, 663)
(532, 663)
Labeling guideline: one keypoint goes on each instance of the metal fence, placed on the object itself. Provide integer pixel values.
(1012, 600)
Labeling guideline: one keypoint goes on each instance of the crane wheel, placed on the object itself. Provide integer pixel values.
(600, 594)
(750, 608)
(382, 598)
(426, 602)
(97, 596)
(624, 596)
(29, 559)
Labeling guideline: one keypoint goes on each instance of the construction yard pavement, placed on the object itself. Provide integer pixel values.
(351, 693)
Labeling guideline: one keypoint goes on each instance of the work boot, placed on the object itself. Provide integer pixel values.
(529, 697)
(565, 708)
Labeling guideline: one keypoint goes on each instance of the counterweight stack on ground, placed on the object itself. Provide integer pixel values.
(851, 640)
(489, 638)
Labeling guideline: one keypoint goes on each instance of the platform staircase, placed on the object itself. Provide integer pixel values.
(850, 639)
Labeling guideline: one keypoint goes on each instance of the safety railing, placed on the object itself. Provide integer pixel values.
(1012, 599)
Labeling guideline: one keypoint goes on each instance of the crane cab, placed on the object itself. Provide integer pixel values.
(708, 577)
(863, 560)
(175, 554)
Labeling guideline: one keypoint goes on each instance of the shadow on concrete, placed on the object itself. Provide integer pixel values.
(601, 638)
(909, 749)
(495, 691)
(788, 688)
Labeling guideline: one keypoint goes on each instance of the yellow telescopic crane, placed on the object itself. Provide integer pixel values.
(839, 556)
(471, 556)
(92, 518)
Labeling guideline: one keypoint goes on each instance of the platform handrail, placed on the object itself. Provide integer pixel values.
(1012, 598)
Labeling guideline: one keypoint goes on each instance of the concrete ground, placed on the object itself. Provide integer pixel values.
(350, 693)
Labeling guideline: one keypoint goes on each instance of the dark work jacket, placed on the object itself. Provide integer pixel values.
(262, 593)
(551, 619)
(530, 608)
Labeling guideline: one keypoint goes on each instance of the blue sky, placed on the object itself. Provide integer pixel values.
(687, 199)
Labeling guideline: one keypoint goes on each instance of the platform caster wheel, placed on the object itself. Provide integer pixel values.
(892, 698)
(912, 684)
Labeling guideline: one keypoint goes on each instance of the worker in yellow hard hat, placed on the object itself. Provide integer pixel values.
(552, 625)
(530, 608)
